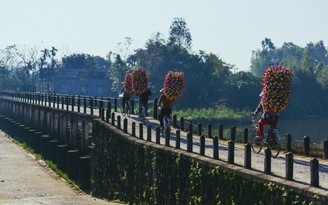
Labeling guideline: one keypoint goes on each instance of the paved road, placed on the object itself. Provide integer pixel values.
(26, 181)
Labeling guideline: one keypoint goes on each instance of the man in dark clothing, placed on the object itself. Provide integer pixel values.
(143, 101)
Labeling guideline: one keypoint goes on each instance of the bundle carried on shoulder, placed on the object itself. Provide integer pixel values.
(128, 83)
(276, 88)
(139, 80)
(174, 84)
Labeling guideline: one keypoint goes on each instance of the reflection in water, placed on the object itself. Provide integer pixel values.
(315, 128)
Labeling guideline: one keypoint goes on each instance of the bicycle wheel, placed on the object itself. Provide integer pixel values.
(256, 145)
(274, 144)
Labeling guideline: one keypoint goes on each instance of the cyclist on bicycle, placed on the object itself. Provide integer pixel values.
(143, 101)
(266, 118)
(166, 106)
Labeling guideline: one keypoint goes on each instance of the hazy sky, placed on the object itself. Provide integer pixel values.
(228, 28)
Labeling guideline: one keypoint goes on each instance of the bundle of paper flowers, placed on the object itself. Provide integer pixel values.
(174, 85)
(139, 80)
(128, 83)
(276, 88)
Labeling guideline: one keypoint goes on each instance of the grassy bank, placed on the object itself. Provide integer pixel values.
(219, 114)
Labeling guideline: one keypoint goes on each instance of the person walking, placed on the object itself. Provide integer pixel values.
(166, 106)
(143, 101)
(125, 97)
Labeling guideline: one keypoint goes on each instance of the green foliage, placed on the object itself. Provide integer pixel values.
(180, 34)
(78, 61)
(117, 72)
(205, 74)
(219, 113)
(19, 67)
(209, 80)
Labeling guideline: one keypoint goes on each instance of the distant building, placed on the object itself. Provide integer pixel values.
(75, 82)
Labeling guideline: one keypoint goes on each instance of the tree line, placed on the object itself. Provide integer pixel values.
(210, 81)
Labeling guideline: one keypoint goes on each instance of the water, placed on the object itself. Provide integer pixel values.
(316, 128)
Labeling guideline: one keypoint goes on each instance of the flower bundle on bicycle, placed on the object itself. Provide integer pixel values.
(276, 88)
(174, 84)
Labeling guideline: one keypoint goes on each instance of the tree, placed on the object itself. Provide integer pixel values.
(4, 78)
(22, 66)
(78, 61)
(262, 58)
(322, 75)
(48, 54)
(318, 52)
(242, 90)
(117, 71)
(120, 63)
(48, 63)
(306, 62)
(180, 34)
(205, 74)
(267, 45)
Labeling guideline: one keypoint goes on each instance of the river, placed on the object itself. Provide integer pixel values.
(316, 128)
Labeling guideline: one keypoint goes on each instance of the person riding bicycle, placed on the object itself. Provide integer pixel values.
(266, 118)
(166, 106)
(143, 101)
(125, 97)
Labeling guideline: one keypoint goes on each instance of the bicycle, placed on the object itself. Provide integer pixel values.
(270, 140)
(126, 109)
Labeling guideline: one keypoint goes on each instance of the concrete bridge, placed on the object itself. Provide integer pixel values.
(64, 129)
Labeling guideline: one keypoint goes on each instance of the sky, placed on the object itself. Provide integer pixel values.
(230, 29)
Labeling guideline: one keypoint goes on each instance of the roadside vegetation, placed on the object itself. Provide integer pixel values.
(220, 113)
